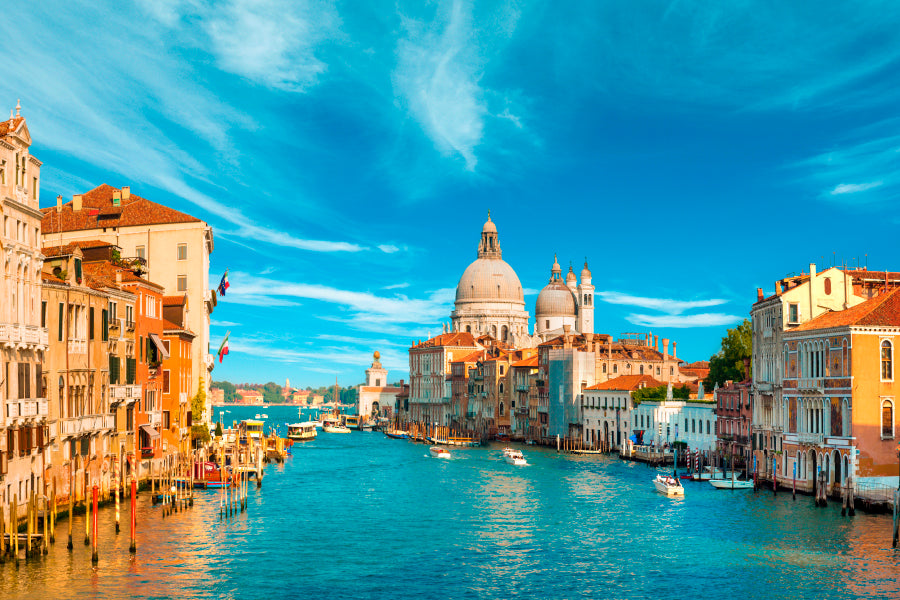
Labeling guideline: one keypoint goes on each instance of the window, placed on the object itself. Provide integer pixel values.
(112, 312)
(182, 283)
(129, 316)
(887, 362)
(34, 187)
(91, 322)
(43, 313)
(707, 428)
(642, 369)
(2, 172)
(793, 313)
(165, 382)
(166, 419)
(182, 252)
(615, 368)
(61, 321)
(140, 252)
(887, 420)
(547, 324)
(104, 324)
(604, 367)
(167, 345)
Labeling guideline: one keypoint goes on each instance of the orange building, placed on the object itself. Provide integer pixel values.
(176, 376)
(841, 397)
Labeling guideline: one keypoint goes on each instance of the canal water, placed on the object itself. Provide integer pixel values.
(364, 516)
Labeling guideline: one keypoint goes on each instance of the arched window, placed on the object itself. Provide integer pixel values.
(604, 367)
(887, 361)
(501, 409)
(707, 428)
(887, 420)
(501, 387)
(642, 369)
(504, 333)
(468, 329)
(615, 368)
(693, 425)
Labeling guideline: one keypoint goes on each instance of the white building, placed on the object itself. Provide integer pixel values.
(667, 421)
(376, 397)
(607, 409)
(24, 432)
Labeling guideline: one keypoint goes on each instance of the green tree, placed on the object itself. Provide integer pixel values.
(728, 362)
(199, 430)
(227, 387)
(272, 393)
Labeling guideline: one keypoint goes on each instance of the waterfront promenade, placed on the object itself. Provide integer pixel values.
(361, 515)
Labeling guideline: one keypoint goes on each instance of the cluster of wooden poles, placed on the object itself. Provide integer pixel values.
(234, 496)
(419, 431)
(175, 481)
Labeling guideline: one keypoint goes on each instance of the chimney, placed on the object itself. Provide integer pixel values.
(119, 277)
(848, 280)
(665, 347)
(759, 295)
(812, 290)
(117, 199)
(126, 192)
(674, 349)
(76, 202)
(656, 342)
(778, 288)
(59, 204)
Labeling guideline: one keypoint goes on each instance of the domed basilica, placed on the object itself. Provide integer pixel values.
(490, 300)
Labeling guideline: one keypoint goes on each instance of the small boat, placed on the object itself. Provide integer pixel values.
(257, 416)
(264, 416)
(731, 484)
(515, 457)
(335, 428)
(708, 473)
(352, 422)
(302, 432)
(438, 452)
(397, 434)
(668, 485)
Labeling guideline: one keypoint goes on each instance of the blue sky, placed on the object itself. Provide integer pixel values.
(347, 153)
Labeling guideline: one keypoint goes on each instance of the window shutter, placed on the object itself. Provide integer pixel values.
(38, 380)
(90, 322)
(130, 368)
(166, 381)
(104, 317)
(141, 347)
(26, 371)
(21, 373)
(60, 321)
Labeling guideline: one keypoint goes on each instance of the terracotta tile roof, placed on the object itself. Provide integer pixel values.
(98, 211)
(64, 250)
(527, 362)
(471, 357)
(627, 383)
(175, 300)
(883, 309)
(370, 388)
(448, 339)
(170, 326)
(49, 277)
(5, 127)
(104, 273)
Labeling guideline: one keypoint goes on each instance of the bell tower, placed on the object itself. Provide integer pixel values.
(376, 375)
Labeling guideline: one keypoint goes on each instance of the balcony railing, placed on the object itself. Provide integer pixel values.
(35, 407)
(155, 417)
(124, 393)
(811, 384)
(77, 346)
(810, 438)
(86, 424)
(13, 334)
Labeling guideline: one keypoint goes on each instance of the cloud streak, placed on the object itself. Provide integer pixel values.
(672, 307)
(678, 321)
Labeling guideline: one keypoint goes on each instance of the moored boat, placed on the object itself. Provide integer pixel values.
(397, 434)
(335, 428)
(731, 484)
(668, 485)
(302, 432)
(438, 452)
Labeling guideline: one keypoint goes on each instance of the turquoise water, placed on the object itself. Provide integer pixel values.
(361, 515)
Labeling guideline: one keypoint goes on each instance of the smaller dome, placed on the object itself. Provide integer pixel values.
(489, 226)
(555, 300)
(585, 273)
(570, 276)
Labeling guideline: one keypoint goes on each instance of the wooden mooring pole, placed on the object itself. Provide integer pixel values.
(133, 547)
(95, 554)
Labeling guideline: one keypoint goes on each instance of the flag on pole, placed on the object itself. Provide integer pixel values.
(223, 349)
(224, 285)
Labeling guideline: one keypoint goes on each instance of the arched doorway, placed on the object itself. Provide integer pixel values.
(838, 475)
(606, 433)
(812, 464)
(376, 408)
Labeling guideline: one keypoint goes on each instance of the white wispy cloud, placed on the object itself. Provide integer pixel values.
(274, 348)
(272, 42)
(854, 188)
(388, 248)
(437, 76)
(396, 286)
(683, 321)
(217, 323)
(666, 305)
(365, 308)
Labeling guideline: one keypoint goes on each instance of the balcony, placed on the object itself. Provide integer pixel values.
(124, 393)
(811, 384)
(26, 409)
(77, 346)
(155, 417)
(814, 439)
(87, 424)
(15, 335)
(183, 398)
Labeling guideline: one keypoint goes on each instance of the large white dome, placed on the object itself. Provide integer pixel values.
(489, 279)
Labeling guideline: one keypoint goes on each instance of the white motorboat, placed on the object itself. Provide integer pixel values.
(515, 458)
(731, 484)
(438, 452)
(336, 428)
(668, 485)
(507, 451)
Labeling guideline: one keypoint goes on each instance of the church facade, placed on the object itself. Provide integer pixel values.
(490, 300)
